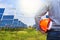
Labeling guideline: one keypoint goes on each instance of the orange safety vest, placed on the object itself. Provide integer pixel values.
(44, 24)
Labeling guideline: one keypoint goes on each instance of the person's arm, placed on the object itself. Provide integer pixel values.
(41, 13)
(38, 17)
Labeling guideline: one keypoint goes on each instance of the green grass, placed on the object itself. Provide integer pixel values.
(27, 34)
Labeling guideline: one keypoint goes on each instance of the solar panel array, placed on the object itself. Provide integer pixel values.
(8, 20)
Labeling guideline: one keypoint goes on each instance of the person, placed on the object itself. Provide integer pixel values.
(53, 9)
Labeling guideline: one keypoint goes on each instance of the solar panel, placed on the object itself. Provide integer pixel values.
(15, 22)
(21, 24)
(8, 17)
(2, 25)
(2, 10)
(7, 22)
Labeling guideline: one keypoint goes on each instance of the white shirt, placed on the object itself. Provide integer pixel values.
(53, 7)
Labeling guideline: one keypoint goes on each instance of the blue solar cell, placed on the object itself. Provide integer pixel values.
(21, 24)
(8, 17)
(7, 22)
(15, 22)
(2, 10)
(2, 25)
(0, 16)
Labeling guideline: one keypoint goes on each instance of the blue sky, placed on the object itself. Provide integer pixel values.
(24, 10)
